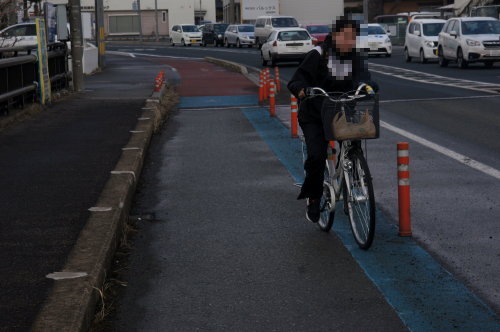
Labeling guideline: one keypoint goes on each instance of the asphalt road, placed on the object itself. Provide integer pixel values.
(455, 208)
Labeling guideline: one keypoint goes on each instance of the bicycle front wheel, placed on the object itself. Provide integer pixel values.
(360, 200)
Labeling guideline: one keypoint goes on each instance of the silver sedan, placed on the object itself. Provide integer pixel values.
(239, 35)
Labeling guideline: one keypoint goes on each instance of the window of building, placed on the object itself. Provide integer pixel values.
(163, 17)
(124, 24)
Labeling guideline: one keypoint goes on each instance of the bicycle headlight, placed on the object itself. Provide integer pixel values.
(472, 42)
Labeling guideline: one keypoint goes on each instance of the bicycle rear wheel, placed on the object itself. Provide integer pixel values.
(327, 213)
(360, 200)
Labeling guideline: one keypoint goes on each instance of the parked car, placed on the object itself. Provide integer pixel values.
(375, 40)
(288, 44)
(318, 32)
(422, 39)
(469, 39)
(23, 34)
(213, 33)
(185, 34)
(239, 35)
(264, 25)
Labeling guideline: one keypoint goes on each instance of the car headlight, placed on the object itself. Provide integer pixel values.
(387, 41)
(472, 42)
(429, 43)
(220, 36)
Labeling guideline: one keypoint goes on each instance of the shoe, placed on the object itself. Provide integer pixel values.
(313, 213)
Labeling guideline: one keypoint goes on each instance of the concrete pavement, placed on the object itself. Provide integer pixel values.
(53, 169)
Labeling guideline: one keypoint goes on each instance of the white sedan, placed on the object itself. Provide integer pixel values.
(375, 40)
(287, 44)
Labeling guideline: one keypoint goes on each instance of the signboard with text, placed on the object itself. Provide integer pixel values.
(251, 9)
(43, 62)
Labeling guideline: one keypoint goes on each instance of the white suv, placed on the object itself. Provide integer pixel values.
(283, 45)
(264, 25)
(469, 39)
(422, 39)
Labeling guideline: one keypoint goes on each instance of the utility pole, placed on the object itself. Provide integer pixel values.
(140, 19)
(99, 33)
(156, 20)
(232, 11)
(75, 22)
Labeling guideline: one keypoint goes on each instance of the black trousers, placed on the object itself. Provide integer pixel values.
(314, 166)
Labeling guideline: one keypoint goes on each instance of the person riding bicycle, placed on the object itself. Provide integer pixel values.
(336, 66)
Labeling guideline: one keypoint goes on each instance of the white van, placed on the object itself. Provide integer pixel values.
(422, 39)
(264, 25)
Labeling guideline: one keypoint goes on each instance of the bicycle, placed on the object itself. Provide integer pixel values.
(349, 179)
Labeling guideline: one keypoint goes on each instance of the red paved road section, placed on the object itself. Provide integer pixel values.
(201, 78)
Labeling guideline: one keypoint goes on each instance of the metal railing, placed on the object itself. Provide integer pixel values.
(19, 74)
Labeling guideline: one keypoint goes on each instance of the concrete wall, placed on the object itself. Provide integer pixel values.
(313, 11)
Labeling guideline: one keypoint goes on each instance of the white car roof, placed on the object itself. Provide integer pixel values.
(291, 29)
(475, 18)
(275, 16)
(374, 25)
(18, 24)
(429, 20)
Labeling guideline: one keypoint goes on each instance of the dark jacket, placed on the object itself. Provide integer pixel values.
(313, 72)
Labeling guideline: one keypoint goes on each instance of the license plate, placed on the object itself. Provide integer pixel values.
(194, 41)
(373, 44)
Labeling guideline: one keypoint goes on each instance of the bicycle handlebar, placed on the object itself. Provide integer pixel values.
(369, 91)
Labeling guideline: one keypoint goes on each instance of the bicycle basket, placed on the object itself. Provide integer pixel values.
(351, 120)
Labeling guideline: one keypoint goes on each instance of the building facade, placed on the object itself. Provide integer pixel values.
(306, 12)
(121, 17)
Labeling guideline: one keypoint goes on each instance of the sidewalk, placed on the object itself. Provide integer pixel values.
(232, 250)
(53, 169)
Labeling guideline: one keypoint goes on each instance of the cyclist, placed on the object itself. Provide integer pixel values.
(336, 66)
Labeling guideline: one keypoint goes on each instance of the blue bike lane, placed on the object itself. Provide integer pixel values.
(424, 295)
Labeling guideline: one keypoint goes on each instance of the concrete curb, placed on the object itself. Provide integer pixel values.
(233, 66)
(71, 304)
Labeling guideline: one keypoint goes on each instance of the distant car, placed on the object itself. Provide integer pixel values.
(422, 39)
(213, 34)
(239, 35)
(185, 34)
(375, 40)
(23, 34)
(318, 32)
(264, 25)
(284, 45)
(469, 39)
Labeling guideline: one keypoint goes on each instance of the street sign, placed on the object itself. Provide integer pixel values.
(251, 9)
(51, 20)
(43, 63)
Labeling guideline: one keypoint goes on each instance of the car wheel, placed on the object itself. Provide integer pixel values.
(203, 43)
(422, 57)
(462, 63)
(238, 44)
(258, 43)
(172, 42)
(407, 55)
(226, 43)
(388, 55)
(442, 61)
(183, 42)
(489, 64)
(264, 61)
(215, 43)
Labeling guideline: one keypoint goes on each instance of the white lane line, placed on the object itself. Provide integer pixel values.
(121, 53)
(432, 99)
(445, 151)
(66, 275)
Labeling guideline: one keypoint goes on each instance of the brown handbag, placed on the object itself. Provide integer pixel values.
(344, 130)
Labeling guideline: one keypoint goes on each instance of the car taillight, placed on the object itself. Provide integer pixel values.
(275, 43)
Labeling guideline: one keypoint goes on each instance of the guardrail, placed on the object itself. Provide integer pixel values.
(19, 74)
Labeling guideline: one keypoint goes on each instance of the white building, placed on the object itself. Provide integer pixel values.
(306, 12)
(121, 16)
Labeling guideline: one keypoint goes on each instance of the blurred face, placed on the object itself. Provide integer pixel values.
(345, 40)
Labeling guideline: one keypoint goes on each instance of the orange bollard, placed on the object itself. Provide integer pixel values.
(261, 87)
(294, 117)
(272, 100)
(404, 189)
(277, 78)
(157, 83)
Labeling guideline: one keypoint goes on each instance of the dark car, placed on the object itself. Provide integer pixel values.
(213, 33)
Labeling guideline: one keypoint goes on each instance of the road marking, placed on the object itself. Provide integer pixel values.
(488, 170)
(121, 53)
(124, 172)
(100, 209)
(66, 275)
(432, 99)
(166, 56)
(421, 77)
